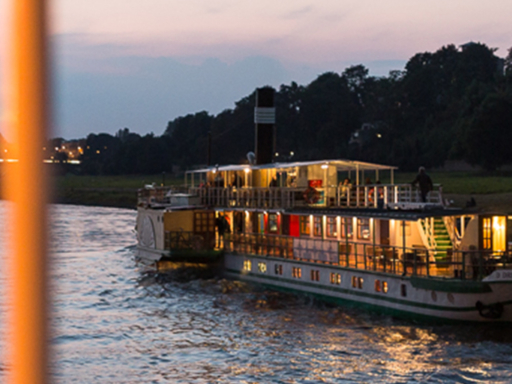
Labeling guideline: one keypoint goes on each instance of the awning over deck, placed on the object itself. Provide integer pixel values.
(341, 165)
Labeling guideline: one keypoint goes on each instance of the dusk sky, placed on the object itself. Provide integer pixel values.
(139, 64)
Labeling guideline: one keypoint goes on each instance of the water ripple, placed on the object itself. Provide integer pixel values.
(117, 322)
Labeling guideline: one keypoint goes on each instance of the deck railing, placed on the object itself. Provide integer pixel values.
(364, 196)
(471, 265)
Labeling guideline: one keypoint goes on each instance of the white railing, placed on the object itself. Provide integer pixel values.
(362, 196)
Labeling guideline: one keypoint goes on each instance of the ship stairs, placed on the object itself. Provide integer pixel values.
(438, 239)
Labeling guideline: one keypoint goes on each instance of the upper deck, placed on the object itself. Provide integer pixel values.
(325, 183)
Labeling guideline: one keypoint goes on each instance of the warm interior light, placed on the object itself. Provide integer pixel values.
(498, 234)
(247, 170)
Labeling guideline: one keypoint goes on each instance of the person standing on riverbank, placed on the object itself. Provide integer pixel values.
(424, 182)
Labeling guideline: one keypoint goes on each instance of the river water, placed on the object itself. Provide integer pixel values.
(115, 321)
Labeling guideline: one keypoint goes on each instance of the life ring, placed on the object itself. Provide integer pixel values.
(311, 195)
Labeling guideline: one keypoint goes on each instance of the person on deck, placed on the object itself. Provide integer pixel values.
(424, 182)
(222, 225)
(237, 181)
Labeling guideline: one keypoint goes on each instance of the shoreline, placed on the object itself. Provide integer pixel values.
(127, 198)
(100, 197)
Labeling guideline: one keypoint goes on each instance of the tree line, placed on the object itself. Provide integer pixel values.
(455, 103)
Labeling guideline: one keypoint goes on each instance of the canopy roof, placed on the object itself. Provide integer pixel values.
(341, 165)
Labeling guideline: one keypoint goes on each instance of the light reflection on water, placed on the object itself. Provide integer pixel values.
(115, 322)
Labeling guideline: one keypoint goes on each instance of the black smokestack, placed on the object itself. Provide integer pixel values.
(264, 118)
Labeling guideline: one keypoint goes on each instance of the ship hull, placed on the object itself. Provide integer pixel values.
(405, 296)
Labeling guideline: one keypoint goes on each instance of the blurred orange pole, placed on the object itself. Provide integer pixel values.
(26, 187)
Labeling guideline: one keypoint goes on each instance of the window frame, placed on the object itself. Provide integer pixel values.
(362, 224)
(318, 224)
(304, 226)
(330, 223)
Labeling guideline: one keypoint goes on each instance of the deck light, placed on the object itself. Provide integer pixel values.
(247, 170)
(325, 166)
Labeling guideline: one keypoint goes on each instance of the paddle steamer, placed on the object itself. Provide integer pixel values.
(372, 245)
(293, 226)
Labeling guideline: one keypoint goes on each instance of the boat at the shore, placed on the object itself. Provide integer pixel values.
(293, 226)
(375, 246)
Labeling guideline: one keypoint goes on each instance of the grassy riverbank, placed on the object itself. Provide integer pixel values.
(110, 191)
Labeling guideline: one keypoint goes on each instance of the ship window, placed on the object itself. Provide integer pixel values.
(377, 286)
(315, 275)
(335, 278)
(278, 269)
(331, 230)
(360, 283)
(346, 227)
(363, 229)
(297, 272)
(354, 282)
(486, 233)
(247, 265)
(317, 226)
(305, 225)
(385, 286)
(204, 222)
(262, 267)
(499, 237)
(403, 290)
(272, 223)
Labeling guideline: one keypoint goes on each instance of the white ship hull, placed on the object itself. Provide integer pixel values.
(406, 296)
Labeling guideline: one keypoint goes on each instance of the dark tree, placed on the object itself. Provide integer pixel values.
(489, 134)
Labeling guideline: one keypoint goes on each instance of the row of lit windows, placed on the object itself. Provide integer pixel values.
(331, 227)
(357, 282)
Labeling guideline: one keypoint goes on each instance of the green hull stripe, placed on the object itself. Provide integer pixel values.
(454, 286)
(381, 297)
